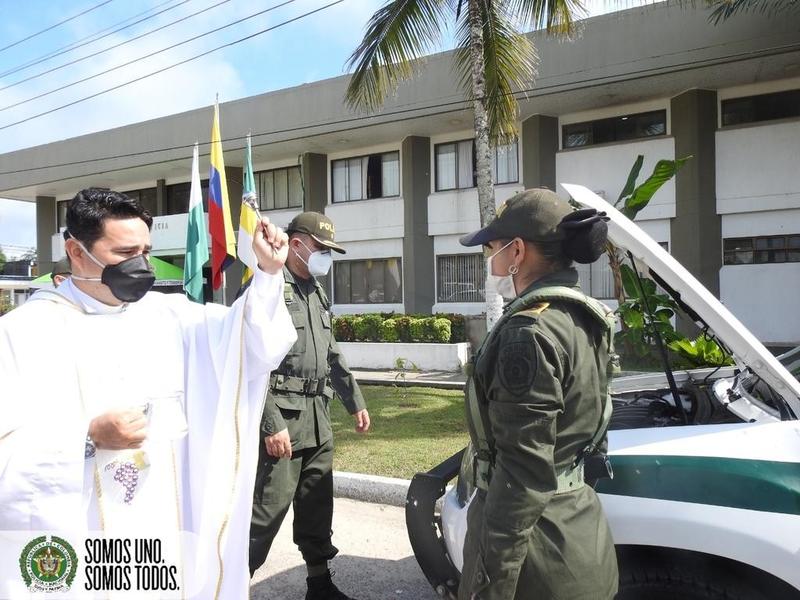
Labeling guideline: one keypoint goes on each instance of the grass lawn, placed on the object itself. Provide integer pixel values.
(413, 429)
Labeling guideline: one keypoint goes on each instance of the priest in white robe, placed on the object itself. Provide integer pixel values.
(129, 413)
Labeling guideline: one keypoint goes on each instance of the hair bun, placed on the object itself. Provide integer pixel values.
(585, 235)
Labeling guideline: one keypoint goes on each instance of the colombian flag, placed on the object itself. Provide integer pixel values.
(223, 244)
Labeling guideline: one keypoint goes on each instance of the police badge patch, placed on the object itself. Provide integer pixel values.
(48, 564)
(517, 366)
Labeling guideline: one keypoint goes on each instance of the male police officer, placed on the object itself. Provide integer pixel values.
(296, 462)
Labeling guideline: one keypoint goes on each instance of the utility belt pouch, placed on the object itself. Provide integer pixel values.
(598, 466)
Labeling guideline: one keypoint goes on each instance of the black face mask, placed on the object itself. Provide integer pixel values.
(128, 280)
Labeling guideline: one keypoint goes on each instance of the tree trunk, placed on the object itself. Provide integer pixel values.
(483, 159)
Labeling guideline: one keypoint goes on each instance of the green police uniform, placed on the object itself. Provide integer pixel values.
(299, 400)
(537, 400)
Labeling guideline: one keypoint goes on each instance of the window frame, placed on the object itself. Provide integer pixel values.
(257, 176)
(758, 102)
(597, 124)
(738, 245)
(480, 288)
(167, 208)
(338, 264)
(364, 192)
(494, 149)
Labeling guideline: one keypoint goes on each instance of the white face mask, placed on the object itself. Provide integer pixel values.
(319, 262)
(501, 284)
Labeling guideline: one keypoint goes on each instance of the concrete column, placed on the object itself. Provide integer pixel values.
(418, 271)
(539, 145)
(161, 197)
(314, 169)
(46, 226)
(696, 230)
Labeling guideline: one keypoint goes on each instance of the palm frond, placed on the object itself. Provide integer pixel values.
(556, 16)
(509, 65)
(725, 9)
(397, 34)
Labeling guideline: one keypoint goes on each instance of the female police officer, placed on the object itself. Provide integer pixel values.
(537, 407)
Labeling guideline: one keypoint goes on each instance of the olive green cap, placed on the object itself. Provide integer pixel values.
(318, 226)
(61, 267)
(533, 215)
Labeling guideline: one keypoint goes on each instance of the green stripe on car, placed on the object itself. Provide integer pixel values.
(762, 485)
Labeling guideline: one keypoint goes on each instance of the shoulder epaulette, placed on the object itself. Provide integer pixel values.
(533, 311)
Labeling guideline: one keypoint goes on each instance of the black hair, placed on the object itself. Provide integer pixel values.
(88, 210)
(586, 235)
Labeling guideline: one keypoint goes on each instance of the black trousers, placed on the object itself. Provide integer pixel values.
(306, 482)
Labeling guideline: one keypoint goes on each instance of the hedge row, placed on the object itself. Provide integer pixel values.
(390, 327)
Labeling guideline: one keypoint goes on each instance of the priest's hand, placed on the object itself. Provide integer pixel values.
(271, 246)
(362, 421)
(119, 429)
(279, 444)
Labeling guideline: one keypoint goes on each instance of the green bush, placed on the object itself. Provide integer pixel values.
(368, 328)
(359, 329)
(392, 327)
(343, 328)
(417, 329)
(441, 330)
(389, 331)
(458, 327)
(403, 328)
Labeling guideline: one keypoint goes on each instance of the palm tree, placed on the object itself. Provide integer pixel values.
(725, 9)
(493, 60)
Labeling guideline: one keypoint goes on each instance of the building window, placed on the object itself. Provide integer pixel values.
(147, 198)
(178, 196)
(376, 281)
(615, 129)
(280, 188)
(460, 278)
(761, 250)
(366, 177)
(504, 164)
(456, 167)
(764, 107)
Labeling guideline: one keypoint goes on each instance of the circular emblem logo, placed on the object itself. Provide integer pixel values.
(48, 564)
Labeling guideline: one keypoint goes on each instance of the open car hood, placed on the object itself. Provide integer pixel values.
(747, 350)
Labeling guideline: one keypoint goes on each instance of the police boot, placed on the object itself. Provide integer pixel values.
(321, 587)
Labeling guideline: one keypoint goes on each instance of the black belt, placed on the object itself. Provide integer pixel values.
(308, 386)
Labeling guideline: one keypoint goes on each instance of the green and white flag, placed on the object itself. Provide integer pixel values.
(196, 238)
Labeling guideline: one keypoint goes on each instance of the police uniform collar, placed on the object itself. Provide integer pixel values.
(306, 285)
(566, 277)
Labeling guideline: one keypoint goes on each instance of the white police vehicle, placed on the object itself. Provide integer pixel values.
(705, 499)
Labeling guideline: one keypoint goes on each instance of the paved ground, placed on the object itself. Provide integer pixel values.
(375, 560)
(441, 379)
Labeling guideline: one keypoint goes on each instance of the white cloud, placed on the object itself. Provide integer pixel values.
(178, 89)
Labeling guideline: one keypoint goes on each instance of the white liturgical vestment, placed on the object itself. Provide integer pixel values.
(199, 373)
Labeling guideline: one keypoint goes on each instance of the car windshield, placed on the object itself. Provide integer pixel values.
(791, 360)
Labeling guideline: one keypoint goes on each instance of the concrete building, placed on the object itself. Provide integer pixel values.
(659, 81)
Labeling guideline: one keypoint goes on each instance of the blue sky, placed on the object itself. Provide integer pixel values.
(313, 48)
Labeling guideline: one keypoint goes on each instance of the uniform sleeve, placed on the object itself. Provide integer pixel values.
(525, 398)
(343, 381)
